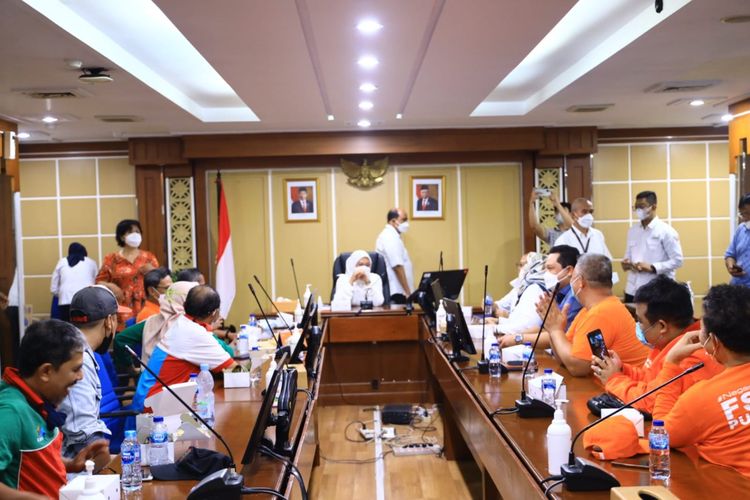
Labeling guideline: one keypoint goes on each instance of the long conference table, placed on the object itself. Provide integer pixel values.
(388, 355)
(510, 451)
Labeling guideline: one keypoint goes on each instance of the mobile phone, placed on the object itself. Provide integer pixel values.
(542, 192)
(738, 268)
(596, 341)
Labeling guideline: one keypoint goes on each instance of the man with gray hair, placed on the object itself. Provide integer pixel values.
(581, 235)
(591, 284)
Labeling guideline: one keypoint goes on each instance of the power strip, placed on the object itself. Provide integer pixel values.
(386, 433)
(417, 449)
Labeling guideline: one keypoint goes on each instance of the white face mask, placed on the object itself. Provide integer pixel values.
(133, 240)
(642, 213)
(403, 227)
(550, 280)
(586, 221)
(363, 269)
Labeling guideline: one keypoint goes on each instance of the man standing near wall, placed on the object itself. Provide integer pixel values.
(653, 246)
(582, 236)
(391, 246)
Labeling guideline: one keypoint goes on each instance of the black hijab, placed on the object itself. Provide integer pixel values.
(76, 253)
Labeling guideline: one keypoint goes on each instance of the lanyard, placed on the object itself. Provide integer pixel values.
(584, 249)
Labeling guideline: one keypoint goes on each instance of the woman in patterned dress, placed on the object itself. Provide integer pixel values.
(126, 267)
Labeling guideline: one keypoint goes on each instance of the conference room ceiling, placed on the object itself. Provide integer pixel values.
(291, 63)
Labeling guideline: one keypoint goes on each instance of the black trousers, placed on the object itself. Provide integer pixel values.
(398, 298)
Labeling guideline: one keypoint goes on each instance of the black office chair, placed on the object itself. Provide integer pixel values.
(378, 266)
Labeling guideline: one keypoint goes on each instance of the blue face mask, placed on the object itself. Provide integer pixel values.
(641, 334)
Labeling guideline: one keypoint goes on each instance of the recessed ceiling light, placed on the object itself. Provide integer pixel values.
(368, 62)
(365, 105)
(49, 119)
(368, 87)
(331, 118)
(23, 135)
(364, 123)
(727, 117)
(369, 26)
(697, 102)
(399, 116)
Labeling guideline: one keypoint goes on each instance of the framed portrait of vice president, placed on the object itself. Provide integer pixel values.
(301, 197)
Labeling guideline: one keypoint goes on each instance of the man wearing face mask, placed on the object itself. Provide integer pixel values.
(737, 256)
(155, 282)
(582, 236)
(358, 284)
(664, 310)
(591, 283)
(562, 218)
(391, 246)
(653, 246)
(94, 311)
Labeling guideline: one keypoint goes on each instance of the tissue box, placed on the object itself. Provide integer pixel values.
(535, 386)
(631, 414)
(236, 379)
(106, 484)
(513, 353)
(287, 306)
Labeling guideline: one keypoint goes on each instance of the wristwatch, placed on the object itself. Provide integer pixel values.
(519, 338)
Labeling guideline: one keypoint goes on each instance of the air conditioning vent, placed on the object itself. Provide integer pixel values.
(681, 86)
(118, 118)
(52, 93)
(588, 108)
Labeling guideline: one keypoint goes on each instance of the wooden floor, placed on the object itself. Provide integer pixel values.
(410, 477)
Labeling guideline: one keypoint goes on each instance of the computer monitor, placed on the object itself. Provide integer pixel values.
(264, 415)
(306, 316)
(451, 283)
(458, 331)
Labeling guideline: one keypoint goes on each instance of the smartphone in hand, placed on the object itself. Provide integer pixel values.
(596, 342)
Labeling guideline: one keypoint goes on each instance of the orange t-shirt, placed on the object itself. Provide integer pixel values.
(149, 309)
(618, 329)
(634, 381)
(713, 415)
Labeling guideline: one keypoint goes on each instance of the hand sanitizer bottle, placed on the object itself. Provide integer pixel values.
(558, 440)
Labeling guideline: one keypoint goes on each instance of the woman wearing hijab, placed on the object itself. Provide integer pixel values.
(72, 273)
(503, 307)
(358, 284)
(531, 288)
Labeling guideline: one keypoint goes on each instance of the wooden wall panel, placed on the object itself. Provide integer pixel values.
(149, 190)
(156, 151)
(739, 128)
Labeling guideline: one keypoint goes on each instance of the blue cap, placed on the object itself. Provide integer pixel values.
(131, 434)
(547, 370)
(658, 423)
(158, 419)
(204, 366)
(193, 375)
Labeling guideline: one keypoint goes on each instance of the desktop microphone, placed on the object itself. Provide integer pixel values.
(272, 303)
(280, 349)
(229, 482)
(580, 474)
(483, 364)
(296, 285)
(530, 407)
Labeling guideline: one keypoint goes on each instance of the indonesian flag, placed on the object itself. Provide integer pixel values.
(225, 284)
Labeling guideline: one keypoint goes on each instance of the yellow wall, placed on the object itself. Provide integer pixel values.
(692, 186)
(351, 218)
(66, 200)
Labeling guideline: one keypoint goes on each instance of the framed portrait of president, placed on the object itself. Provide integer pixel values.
(301, 197)
(427, 197)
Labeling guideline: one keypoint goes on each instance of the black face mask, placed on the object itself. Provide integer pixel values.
(104, 347)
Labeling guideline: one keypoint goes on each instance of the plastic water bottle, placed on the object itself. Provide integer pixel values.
(495, 358)
(243, 343)
(549, 385)
(441, 322)
(307, 294)
(488, 306)
(529, 359)
(298, 313)
(206, 394)
(130, 456)
(658, 441)
(194, 402)
(255, 372)
(158, 454)
(252, 321)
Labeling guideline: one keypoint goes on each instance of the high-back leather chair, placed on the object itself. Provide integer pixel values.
(377, 265)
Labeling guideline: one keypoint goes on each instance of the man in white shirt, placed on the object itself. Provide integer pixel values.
(582, 236)
(390, 245)
(653, 246)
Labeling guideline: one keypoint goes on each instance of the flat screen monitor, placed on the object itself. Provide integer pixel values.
(451, 283)
(264, 415)
(458, 331)
(307, 315)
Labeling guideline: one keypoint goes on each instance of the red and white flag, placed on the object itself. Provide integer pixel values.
(225, 283)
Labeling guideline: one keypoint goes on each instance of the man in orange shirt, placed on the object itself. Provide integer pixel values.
(156, 283)
(664, 310)
(713, 415)
(591, 283)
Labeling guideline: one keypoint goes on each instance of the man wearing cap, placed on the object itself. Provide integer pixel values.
(94, 311)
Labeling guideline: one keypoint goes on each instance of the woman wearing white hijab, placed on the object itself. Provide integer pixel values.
(171, 306)
(358, 283)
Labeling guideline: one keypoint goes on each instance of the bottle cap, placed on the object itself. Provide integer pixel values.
(193, 375)
(131, 434)
(658, 423)
(158, 419)
(204, 367)
(527, 344)
(495, 344)
(547, 371)
(89, 465)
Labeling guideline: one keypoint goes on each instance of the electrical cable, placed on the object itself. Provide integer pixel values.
(354, 461)
(549, 488)
(262, 491)
(292, 469)
(550, 478)
(504, 411)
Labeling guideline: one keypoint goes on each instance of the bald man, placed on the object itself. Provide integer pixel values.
(581, 235)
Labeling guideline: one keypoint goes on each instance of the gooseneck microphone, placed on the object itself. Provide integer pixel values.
(296, 285)
(580, 474)
(529, 407)
(270, 329)
(183, 403)
(272, 303)
(483, 364)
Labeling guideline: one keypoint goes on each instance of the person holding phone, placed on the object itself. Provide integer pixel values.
(664, 314)
(591, 283)
(737, 256)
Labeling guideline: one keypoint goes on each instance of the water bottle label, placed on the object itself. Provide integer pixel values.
(128, 457)
(658, 441)
(548, 384)
(159, 437)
